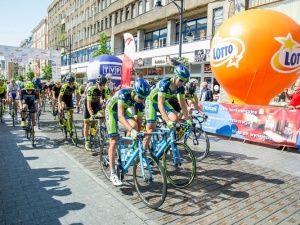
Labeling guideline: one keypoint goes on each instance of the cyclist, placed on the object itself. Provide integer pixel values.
(12, 95)
(65, 98)
(28, 96)
(38, 86)
(3, 89)
(50, 86)
(82, 88)
(190, 90)
(157, 100)
(117, 110)
(110, 84)
(55, 93)
(96, 96)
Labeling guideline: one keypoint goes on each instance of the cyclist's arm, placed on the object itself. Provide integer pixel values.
(59, 100)
(89, 107)
(196, 105)
(121, 117)
(183, 105)
(162, 110)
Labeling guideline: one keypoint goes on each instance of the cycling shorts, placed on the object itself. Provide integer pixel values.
(13, 96)
(97, 109)
(111, 118)
(68, 103)
(152, 109)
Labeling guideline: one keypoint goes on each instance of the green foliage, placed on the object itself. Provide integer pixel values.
(29, 74)
(19, 77)
(103, 48)
(176, 60)
(47, 72)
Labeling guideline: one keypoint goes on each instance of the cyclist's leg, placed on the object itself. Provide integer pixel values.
(172, 115)
(112, 128)
(86, 116)
(151, 115)
(32, 107)
(10, 99)
(23, 114)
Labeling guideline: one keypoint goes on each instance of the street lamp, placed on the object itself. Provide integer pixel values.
(69, 49)
(180, 9)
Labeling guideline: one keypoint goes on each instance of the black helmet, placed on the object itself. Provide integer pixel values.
(101, 79)
(191, 88)
(70, 78)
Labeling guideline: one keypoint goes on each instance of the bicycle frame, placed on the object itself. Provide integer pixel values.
(137, 153)
(161, 144)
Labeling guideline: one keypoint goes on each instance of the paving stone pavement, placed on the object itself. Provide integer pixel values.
(237, 184)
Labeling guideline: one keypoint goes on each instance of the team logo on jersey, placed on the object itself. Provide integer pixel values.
(229, 50)
(287, 58)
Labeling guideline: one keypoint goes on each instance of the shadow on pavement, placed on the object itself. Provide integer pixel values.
(28, 195)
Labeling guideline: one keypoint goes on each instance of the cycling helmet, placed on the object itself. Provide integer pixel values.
(58, 82)
(141, 88)
(193, 80)
(156, 79)
(190, 88)
(37, 81)
(182, 72)
(151, 83)
(84, 83)
(29, 86)
(101, 79)
(70, 78)
(108, 76)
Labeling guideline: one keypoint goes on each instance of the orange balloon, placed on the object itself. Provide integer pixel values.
(255, 54)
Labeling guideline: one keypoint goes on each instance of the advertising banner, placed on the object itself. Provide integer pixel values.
(262, 124)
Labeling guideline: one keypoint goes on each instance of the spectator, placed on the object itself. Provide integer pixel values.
(206, 94)
(294, 97)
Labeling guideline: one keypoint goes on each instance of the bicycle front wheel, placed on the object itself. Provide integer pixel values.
(104, 162)
(179, 175)
(73, 133)
(150, 181)
(31, 134)
(203, 145)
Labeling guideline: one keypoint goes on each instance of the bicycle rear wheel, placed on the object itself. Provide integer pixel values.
(150, 181)
(13, 116)
(179, 175)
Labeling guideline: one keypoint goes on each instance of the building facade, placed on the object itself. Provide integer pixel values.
(77, 24)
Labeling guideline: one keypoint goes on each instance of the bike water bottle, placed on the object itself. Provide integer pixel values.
(128, 155)
(122, 152)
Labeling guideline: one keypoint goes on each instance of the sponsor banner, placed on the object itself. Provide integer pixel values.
(262, 124)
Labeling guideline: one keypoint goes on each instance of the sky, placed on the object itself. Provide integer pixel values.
(19, 17)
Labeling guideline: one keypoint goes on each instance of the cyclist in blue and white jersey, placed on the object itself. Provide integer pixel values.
(12, 94)
(157, 101)
(117, 110)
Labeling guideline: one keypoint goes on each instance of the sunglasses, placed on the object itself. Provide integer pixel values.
(101, 84)
(71, 83)
(28, 90)
(182, 81)
(141, 98)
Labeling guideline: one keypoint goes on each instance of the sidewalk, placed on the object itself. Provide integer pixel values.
(47, 186)
(57, 183)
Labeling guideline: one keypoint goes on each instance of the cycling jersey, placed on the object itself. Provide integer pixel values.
(162, 89)
(3, 88)
(94, 95)
(67, 92)
(56, 90)
(39, 88)
(29, 97)
(125, 98)
(13, 90)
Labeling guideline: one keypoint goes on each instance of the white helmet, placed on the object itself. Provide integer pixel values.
(108, 76)
(193, 80)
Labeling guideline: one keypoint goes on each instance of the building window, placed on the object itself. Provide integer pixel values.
(217, 19)
(127, 14)
(122, 16)
(147, 5)
(133, 12)
(155, 39)
(116, 17)
(140, 9)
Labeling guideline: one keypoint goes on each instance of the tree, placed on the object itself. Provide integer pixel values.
(103, 48)
(47, 72)
(29, 74)
(19, 77)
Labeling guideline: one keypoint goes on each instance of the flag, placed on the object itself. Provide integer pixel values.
(128, 60)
